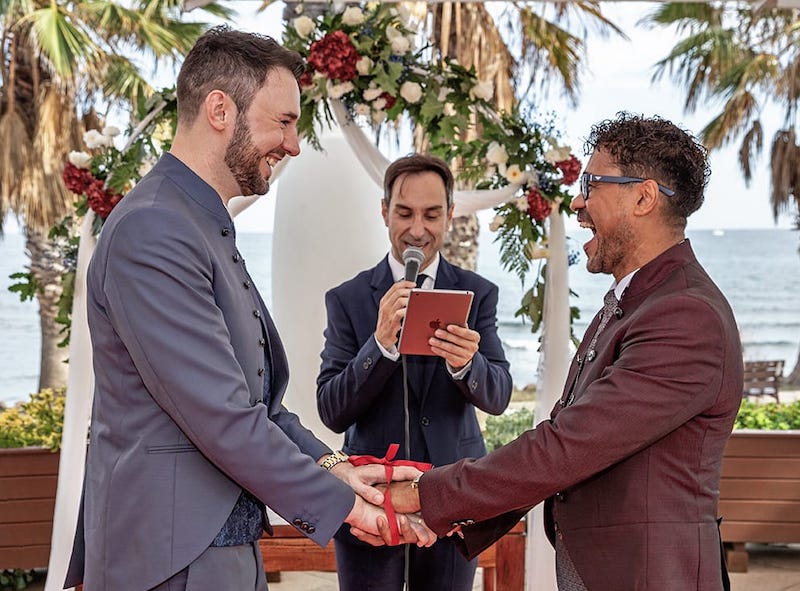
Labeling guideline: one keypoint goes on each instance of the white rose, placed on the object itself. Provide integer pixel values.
(353, 16)
(337, 91)
(378, 117)
(498, 221)
(79, 159)
(373, 92)
(444, 92)
(534, 251)
(146, 165)
(521, 203)
(449, 110)
(111, 131)
(514, 175)
(362, 109)
(94, 139)
(364, 65)
(496, 154)
(392, 32)
(557, 154)
(304, 26)
(400, 45)
(411, 92)
(379, 103)
(482, 90)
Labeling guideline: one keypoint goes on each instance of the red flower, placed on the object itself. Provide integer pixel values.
(570, 168)
(334, 56)
(306, 79)
(390, 100)
(101, 200)
(77, 179)
(538, 206)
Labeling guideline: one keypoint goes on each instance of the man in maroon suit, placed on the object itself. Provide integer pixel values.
(629, 461)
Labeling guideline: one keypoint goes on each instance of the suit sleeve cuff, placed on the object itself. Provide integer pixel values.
(392, 354)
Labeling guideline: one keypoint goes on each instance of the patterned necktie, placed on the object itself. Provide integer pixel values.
(610, 303)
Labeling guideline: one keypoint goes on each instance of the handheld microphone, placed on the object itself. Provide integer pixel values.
(413, 257)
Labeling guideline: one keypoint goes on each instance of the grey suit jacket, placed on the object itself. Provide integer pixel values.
(183, 418)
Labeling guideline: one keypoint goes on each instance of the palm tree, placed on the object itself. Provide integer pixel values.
(750, 60)
(60, 58)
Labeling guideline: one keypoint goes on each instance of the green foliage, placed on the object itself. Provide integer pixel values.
(772, 415)
(507, 427)
(26, 285)
(37, 422)
(15, 579)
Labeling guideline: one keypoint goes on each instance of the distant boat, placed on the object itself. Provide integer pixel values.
(718, 232)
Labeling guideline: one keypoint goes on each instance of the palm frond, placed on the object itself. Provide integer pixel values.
(44, 198)
(15, 156)
(122, 79)
(735, 116)
(64, 45)
(785, 164)
(752, 143)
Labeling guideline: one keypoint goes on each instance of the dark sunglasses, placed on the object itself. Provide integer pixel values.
(588, 177)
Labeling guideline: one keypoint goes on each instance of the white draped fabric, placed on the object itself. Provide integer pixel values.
(327, 227)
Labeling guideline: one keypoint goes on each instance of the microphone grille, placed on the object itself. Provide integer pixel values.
(412, 253)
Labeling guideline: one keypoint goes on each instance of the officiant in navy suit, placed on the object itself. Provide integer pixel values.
(360, 389)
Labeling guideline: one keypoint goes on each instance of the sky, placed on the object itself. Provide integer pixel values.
(617, 77)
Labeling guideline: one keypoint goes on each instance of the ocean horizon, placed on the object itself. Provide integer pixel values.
(758, 271)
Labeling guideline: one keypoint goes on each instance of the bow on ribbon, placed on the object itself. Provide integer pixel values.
(389, 463)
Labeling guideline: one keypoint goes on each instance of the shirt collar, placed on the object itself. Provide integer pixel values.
(622, 284)
(399, 269)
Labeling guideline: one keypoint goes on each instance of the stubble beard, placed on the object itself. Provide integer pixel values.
(612, 250)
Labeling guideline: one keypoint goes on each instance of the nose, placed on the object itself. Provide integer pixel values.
(417, 229)
(291, 143)
(578, 202)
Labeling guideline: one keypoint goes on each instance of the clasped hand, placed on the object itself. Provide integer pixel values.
(368, 520)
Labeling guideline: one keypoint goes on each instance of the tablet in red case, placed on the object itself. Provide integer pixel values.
(429, 309)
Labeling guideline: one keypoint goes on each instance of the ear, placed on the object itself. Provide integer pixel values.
(220, 110)
(647, 199)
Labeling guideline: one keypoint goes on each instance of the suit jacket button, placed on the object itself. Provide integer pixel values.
(246, 284)
(311, 529)
(297, 521)
(560, 496)
(260, 371)
(425, 421)
(366, 365)
(226, 231)
(257, 313)
(235, 257)
(262, 342)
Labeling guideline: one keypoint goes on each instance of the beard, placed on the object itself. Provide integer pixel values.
(244, 161)
(612, 250)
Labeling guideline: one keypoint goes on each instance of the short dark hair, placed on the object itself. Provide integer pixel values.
(416, 164)
(234, 62)
(654, 148)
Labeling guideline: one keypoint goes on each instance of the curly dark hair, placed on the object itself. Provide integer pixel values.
(234, 62)
(654, 148)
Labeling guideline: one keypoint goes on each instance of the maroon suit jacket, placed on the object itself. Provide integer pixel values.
(630, 465)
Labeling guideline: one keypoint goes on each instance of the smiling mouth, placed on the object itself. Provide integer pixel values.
(587, 225)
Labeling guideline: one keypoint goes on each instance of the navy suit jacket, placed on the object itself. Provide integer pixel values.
(360, 392)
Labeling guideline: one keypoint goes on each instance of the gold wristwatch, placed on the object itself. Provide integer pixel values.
(415, 482)
(336, 457)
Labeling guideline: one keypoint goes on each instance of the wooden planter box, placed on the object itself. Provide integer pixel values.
(28, 478)
(759, 491)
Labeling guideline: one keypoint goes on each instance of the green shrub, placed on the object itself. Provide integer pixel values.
(36, 422)
(770, 415)
(507, 427)
(15, 579)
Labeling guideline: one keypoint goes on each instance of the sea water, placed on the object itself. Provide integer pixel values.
(758, 270)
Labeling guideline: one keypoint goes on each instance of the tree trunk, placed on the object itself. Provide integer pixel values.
(461, 244)
(47, 268)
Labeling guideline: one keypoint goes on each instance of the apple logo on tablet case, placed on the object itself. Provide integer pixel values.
(435, 324)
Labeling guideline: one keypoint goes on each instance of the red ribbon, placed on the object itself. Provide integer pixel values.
(389, 463)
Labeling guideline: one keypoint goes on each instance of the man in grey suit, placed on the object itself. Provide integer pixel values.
(189, 439)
